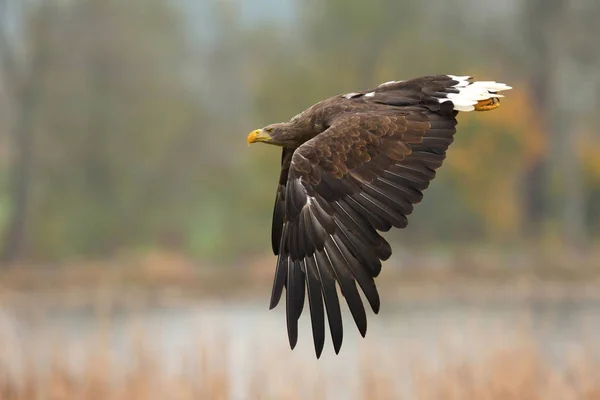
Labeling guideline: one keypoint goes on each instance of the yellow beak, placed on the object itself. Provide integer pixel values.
(258, 136)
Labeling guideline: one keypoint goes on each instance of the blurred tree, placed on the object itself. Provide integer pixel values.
(116, 144)
(137, 121)
(552, 43)
(122, 129)
(562, 66)
(22, 66)
(540, 18)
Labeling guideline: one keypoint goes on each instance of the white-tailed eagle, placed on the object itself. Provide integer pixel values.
(353, 166)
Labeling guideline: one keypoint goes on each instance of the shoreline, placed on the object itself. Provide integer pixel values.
(131, 297)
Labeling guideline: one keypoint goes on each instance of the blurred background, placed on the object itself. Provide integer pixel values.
(135, 222)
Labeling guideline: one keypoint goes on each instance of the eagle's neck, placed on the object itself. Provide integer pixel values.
(302, 129)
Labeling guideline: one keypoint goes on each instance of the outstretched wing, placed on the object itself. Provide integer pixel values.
(362, 175)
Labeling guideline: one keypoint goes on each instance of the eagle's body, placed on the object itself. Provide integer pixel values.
(354, 165)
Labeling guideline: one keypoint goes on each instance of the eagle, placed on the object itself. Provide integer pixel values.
(352, 166)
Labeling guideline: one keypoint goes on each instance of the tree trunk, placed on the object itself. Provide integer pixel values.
(543, 18)
(24, 86)
(20, 176)
(535, 178)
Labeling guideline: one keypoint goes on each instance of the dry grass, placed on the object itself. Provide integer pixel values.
(515, 371)
(103, 377)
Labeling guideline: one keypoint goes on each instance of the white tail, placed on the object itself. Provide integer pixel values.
(471, 96)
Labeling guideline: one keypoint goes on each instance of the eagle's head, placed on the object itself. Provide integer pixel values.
(285, 134)
(279, 134)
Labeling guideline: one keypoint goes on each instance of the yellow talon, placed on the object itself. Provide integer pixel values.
(487, 104)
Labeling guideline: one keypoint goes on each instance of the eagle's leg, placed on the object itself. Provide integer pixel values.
(487, 104)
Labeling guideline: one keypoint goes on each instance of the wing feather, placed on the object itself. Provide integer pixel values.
(281, 272)
(360, 274)
(315, 301)
(279, 208)
(294, 299)
(347, 284)
(332, 303)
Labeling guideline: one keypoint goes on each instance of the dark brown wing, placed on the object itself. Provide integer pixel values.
(360, 176)
(279, 208)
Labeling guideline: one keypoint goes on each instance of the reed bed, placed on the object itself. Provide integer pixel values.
(514, 370)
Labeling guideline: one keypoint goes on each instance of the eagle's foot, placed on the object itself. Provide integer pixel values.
(487, 104)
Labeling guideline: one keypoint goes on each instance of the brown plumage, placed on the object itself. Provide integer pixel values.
(353, 166)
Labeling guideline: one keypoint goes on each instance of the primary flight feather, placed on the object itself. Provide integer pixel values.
(352, 166)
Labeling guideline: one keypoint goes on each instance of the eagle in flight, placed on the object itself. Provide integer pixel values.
(352, 166)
